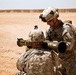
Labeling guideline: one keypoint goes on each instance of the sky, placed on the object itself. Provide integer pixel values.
(36, 4)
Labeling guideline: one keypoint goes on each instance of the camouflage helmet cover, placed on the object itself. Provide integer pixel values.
(36, 35)
(49, 13)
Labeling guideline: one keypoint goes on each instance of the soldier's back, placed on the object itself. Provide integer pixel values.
(36, 62)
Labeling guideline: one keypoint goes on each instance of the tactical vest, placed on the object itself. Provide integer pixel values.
(59, 33)
(55, 33)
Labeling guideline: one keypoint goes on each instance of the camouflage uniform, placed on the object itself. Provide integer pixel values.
(61, 31)
(37, 60)
(65, 32)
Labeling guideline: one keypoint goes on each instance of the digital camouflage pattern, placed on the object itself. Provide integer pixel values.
(49, 14)
(65, 32)
(36, 35)
(68, 62)
(38, 62)
(54, 33)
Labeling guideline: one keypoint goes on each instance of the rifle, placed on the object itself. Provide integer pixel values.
(55, 45)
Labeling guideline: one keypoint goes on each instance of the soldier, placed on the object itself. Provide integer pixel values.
(38, 60)
(61, 31)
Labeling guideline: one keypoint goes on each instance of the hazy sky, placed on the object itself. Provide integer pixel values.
(36, 4)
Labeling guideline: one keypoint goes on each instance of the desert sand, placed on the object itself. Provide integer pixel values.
(18, 25)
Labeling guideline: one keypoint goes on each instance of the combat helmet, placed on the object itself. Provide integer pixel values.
(36, 35)
(48, 14)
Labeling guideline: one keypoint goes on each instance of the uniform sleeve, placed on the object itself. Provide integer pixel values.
(47, 33)
(68, 34)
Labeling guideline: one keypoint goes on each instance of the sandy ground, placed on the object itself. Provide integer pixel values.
(18, 25)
